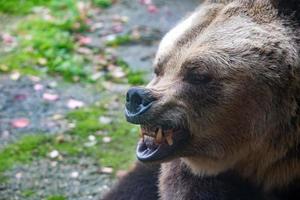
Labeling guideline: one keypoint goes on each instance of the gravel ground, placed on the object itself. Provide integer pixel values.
(78, 179)
(21, 99)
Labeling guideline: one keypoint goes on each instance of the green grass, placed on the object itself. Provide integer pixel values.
(133, 77)
(58, 197)
(103, 3)
(118, 154)
(49, 45)
(120, 40)
(20, 6)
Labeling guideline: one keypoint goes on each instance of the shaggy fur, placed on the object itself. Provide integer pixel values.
(229, 74)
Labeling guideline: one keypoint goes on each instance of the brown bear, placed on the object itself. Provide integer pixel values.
(222, 113)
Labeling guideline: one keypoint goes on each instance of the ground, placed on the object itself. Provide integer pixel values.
(65, 67)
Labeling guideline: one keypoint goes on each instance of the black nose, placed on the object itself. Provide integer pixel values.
(138, 101)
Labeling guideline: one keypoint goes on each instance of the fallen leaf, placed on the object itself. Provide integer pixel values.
(20, 123)
(42, 61)
(35, 78)
(7, 38)
(118, 73)
(145, 2)
(83, 40)
(152, 8)
(20, 97)
(84, 50)
(73, 104)
(4, 68)
(107, 170)
(50, 97)
(57, 117)
(118, 28)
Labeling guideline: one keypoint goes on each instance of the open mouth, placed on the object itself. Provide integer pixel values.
(158, 142)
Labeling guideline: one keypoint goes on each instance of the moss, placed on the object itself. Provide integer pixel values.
(28, 193)
(23, 151)
(133, 77)
(56, 197)
(103, 3)
(120, 40)
(118, 154)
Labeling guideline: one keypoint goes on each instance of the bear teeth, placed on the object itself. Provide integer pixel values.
(159, 135)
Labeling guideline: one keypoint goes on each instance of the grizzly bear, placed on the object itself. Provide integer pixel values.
(221, 118)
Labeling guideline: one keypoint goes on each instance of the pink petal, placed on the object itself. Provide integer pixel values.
(38, 87)
(72, 104)
(20, 123)
(145, 2)
(152, 9)
(118, 28)
(50, 97)
(84, 40)
(8, 39)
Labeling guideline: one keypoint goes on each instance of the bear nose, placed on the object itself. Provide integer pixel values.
(138, 101)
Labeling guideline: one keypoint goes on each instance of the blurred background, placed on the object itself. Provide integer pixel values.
(65, 66)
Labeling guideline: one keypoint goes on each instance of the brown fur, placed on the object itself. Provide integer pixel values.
(246, 118)
(229, 74)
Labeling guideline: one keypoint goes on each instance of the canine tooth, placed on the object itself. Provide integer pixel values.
(169, 139)
(159, 136)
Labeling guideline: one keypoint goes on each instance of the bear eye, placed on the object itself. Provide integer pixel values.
(195, 77)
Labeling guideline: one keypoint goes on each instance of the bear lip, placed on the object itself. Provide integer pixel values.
(157, 143)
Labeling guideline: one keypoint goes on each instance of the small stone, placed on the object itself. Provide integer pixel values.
(15, 76)
(92, 138)
(106, 139)
(71, 125)
(52, 84)
(74, 175)
(5, 134)
(54, 154)
(118, 73)
(19, 175)
(105, 120)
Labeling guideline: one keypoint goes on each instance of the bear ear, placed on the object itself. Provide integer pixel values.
(288, 8)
